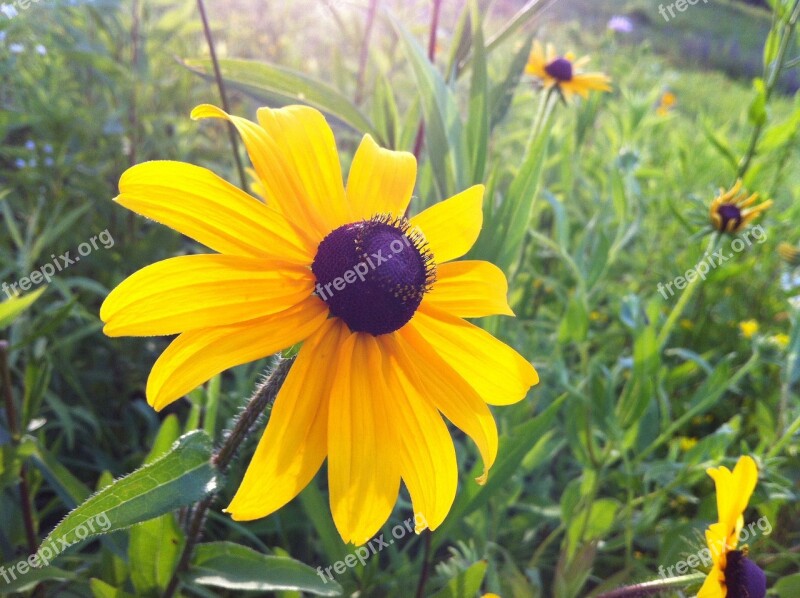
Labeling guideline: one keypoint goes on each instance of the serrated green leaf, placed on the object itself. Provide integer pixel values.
(179, 478)
(235, 567)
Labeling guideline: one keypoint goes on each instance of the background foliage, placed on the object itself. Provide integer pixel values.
(601, 475)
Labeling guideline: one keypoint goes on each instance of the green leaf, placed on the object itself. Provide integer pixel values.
(153, 550)
(501, 94)
(101, 589)
(757, 113)
(477, 128)
(12, 308)
(22, 577)
(443, 128)
(180, 478)
(466, 583)
(268, 82)
(235, 567)
(788, 586)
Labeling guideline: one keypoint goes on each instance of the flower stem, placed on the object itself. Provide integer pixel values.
(771, 81)
(263, 396)
(13, 428)
(362, 59)
(223, 95)
(437, 7)
(650, 588)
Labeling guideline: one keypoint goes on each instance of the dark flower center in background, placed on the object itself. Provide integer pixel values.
(560, 69)
(373, 274)
(727, 213)
(743, 577)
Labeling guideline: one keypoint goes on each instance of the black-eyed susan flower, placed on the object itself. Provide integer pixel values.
(377, 300)
(564, 72)
(733, 574)
(732, 210)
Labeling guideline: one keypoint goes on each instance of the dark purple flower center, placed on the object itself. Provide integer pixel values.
(560, 69)
(729, 213)
(373, 274)
(743, 578)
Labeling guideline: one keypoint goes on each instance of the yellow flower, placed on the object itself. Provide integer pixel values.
(377, 299)
(687, 324)
(732, 574)
(748, 328)
(781, 340)
(563, 73)
(687, 443)
(728, 211)
(666, 103)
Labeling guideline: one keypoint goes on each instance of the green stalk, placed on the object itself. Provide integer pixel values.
(650, 588)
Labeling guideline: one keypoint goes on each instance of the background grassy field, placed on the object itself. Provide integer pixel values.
(601, 478)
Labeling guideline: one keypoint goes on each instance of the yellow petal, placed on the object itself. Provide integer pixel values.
(427, 456)
(198, 355)
(363, 468)
(713, 586)
(309, 166)
(294, 444)
(380, 180)
(470, 289)
(452, 226)
(499, 374)
(196, 202)
(734, 490)
(451, 394)
(202, 291)
(275, 159)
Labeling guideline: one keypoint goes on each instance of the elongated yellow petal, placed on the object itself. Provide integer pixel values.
(427, 456)
(196, 202)
(287, 189)
(450, 393)
(734, 490)
(363, 467)
(380, 180)
(196, 356)
(499, 374)
(308, 162)
(294, 444)
(470, 289)
(452, 226)
(201, 291)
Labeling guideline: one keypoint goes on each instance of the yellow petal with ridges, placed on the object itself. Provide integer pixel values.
(306, 156)
(452, 226)
(380, 181)
(427, 456)
(201, 291)
(199, 204)
(449, 392)
(499, 374)
(198, 355)
(295, 444)
(470, 289)
(363, 468)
